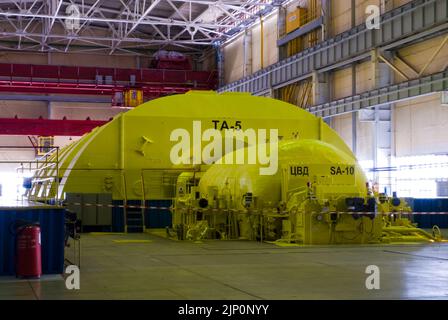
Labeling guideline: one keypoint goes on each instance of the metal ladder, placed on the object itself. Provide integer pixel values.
(135, 220)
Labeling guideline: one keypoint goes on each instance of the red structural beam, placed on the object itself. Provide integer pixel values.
(47, 127)
(27, 78)
(82, 88)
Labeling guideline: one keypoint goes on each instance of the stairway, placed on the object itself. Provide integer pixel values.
(134, 219)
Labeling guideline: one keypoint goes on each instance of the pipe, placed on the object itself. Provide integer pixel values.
(407, 238)
(407, 229)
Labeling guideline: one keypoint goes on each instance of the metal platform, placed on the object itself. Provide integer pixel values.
(409, 23)
(27, 78)
(393, 93)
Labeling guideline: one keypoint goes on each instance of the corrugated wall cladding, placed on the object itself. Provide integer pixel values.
(430, 205)
(158, 218)
(118, 222)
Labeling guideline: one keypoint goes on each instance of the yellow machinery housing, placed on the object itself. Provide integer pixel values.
(45, 145)
(318, 194)
(133, 97)
(296, 19)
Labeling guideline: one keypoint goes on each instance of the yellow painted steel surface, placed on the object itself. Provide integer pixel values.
(130, 156)
(314, 158)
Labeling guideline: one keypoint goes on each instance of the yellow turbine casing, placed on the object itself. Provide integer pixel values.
(130, 156)
(319, 161)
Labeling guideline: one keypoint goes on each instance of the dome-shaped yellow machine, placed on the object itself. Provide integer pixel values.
(314, 182)
(230, 166)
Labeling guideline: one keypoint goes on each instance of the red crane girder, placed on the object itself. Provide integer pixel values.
(47, 127)
(47, 79)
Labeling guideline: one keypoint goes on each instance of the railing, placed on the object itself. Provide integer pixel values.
(111, 76)
(405, 24)
(100, 81)
(39, 169)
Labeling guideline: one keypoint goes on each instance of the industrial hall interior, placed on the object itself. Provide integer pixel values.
(223, 150)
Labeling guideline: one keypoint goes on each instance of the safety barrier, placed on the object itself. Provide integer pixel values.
(238, 210)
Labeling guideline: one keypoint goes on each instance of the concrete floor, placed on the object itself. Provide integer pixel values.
(166, 269)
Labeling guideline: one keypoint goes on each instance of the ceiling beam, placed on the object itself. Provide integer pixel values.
(153, 4)
(186, 26)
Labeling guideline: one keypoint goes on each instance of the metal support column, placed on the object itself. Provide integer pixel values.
(321, 89)
(220, 64)
(326, 14)
(281, 31)
(326, 34)
(247, 53)
(49, 110)
(382, 148)
(354, 114)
